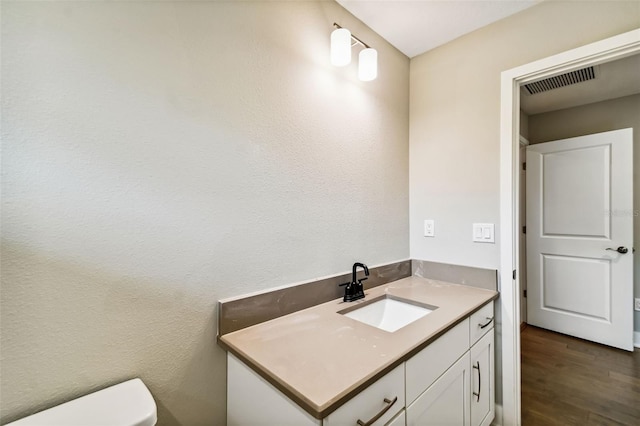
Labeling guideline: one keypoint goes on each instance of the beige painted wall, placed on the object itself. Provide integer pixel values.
(455, 118)
(615, 114)
(159, 156)
(455, 122)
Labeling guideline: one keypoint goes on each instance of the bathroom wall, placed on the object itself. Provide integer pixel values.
(455, 118)
(455, 123)
(159, 156)
(621, 113)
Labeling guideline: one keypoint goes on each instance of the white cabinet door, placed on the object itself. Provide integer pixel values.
(482, 381)
(446, 402)
(400, 420)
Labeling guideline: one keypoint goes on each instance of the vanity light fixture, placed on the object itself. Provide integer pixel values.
(340, 47)
(341, 43)
(368, 64)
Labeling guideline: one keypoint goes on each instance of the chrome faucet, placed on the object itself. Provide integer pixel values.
(354, 289)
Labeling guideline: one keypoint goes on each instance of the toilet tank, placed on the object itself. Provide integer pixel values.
(126, 404)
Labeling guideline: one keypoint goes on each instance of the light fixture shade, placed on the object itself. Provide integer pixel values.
(368, 64)
(341, 47)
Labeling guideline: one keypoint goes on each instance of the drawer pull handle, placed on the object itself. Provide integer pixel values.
(477, 395)
(380, 414)
(485, 325)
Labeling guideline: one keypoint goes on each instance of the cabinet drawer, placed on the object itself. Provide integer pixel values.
(427, 365)
(371, 401)
(480, 323)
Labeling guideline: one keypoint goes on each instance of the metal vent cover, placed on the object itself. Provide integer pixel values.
(562, 80)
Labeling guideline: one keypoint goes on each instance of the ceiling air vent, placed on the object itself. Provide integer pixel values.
(573, 77)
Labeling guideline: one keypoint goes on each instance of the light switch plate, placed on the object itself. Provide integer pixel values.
(483, 233)
(429, 228)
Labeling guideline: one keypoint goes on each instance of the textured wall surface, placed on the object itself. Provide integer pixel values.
(455, 118)
(159, 156)
(455, 123)
(614, 114)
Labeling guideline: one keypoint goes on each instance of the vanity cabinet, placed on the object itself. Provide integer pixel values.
(400, 419)
(424, 368)
(464, 394)
(251, 400)
(377, 404)
(449, 382)
(445, 380)
(482, 353)
(483, 381)
(446, 402)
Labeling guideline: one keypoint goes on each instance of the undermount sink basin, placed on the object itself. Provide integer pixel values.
(388, 314)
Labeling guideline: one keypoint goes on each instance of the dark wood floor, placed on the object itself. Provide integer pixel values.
(569, 381)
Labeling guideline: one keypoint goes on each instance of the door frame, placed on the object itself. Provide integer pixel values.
(606, 50)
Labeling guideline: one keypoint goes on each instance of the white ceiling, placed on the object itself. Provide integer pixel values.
(613, 80)
(415, 26)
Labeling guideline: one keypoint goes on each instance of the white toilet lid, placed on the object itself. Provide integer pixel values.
(126, 404)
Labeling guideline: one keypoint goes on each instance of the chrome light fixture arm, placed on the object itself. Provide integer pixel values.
(354, 38)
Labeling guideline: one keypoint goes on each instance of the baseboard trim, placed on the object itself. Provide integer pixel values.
(497, 421)
(636, 339)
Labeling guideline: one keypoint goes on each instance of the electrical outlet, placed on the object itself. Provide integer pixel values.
(429, 228)
(637, 304)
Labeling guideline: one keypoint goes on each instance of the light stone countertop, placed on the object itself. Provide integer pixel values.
(320, 359)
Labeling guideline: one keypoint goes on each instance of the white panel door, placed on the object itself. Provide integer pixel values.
(579, 210)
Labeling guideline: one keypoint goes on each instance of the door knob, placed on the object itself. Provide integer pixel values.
(621, 249)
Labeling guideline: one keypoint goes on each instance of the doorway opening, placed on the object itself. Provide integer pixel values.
(619, 47)
(576, 282)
